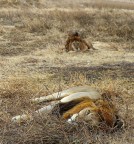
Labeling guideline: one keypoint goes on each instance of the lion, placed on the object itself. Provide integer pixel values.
(75, 42)
(75, 104)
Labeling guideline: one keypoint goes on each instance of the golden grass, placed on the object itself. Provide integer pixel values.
(33, 29)
(16, 93)
(119, 4)
(32, 64)
(111, 4)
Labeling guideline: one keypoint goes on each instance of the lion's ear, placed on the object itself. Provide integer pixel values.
(73, 33)
(106, 96)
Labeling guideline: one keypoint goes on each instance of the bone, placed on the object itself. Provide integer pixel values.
(63, 93)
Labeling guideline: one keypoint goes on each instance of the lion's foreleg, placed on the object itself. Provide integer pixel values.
(39, 112)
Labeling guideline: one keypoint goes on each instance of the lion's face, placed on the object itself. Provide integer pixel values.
(89, 116)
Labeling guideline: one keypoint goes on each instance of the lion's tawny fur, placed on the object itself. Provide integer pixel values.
(75, 37)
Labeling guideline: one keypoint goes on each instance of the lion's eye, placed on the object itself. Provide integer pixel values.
(88, 112)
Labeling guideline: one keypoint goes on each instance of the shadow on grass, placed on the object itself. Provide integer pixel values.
(122, 69)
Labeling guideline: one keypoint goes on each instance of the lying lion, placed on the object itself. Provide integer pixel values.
(78, 103)
(75, 42)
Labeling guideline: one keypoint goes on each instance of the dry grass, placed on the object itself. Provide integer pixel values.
(111, 4)
(33, 64)
(36, 29)
(16, 93)
(119, 4)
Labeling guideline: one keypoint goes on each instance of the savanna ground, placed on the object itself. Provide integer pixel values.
(32, 64)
